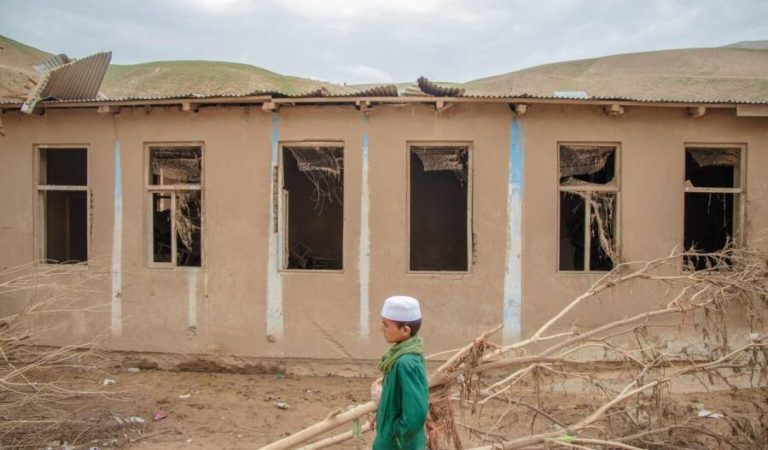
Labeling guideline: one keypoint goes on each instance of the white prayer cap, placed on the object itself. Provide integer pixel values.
(401, 308)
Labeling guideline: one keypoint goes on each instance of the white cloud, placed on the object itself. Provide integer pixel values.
(355, 8)
(364, 74)
(217, 6)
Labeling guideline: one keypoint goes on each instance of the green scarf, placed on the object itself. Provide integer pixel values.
(410, 345)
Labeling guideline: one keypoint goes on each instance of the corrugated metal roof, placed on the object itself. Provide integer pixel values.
(438, 90)
(78, 79)
(52, 63)
(512, 98)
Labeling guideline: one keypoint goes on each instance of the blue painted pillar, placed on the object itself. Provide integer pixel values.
(116, 309)
(514, 245)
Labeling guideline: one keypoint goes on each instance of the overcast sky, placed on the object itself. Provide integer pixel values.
(377, 41)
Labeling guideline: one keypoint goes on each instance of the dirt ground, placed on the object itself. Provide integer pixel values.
(216, 410)
(233, 411)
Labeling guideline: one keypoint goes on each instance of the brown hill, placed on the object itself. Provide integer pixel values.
(702, 74)
(735, 73)
(17, 74)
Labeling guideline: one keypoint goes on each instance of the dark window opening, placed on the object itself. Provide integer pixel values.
(601, 235)
(66, 226)
(571, 232)
(708, 225)
(188, 226)
(176, 213)
(313, 202)
(64, 167)
(161, 227)
(588, 204)
(439, 208)
(63, 187)
(710, 219)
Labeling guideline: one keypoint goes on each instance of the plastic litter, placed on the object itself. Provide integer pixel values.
(710, 414)
(282, 405)
(160, 415)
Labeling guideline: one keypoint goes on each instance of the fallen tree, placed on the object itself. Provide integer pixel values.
(622, 370)
(37, 403)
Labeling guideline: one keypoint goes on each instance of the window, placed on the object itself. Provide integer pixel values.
(313, 207)
(713, 185)
(63, 193)
(588, 207)
(175, 199)
(439, 207)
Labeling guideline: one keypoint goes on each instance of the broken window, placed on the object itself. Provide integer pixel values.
(176, 205)
(63, 191)
(439, 203)
(588, 204)
(712, 188)
(313, 207)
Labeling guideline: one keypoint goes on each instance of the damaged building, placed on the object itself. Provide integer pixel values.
(273, 223)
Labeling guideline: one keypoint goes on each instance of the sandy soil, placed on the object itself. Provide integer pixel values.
(222, 411)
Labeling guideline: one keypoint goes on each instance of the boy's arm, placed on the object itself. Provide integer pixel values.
(415, 397)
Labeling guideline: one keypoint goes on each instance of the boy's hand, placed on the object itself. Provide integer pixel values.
(375, 392)
(372, 422)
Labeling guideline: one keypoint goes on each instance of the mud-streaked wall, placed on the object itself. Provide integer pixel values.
(236, 304)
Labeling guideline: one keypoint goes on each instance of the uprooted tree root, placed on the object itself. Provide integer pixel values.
(620, 373)
(37, 404)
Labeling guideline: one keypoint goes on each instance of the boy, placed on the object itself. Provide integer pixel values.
(404, 401)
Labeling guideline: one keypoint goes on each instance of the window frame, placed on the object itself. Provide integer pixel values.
(150, 190)
(739, 212)
(281, 217)
(587, 211)
(39, 239)
(469, 145)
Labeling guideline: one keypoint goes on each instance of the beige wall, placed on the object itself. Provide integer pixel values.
(226, 299)
(652, 171)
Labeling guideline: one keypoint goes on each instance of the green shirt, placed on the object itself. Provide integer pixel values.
(403, 406)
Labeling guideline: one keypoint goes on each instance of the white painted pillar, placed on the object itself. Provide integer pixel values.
(364, 258)
(274, 281)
